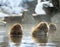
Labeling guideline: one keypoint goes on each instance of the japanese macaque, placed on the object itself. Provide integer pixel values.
(52, 27)
(39, 33)
(16, 29)
(40, 30)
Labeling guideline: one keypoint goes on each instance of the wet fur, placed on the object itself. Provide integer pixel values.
(16, 29)
(41, 27)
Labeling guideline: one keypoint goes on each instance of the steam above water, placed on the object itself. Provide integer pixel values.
(14, 6)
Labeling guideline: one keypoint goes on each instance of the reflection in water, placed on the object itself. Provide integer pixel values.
(16, 39)
(42, 40)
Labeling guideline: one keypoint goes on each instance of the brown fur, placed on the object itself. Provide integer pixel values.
(40, 28)
(16, 29)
